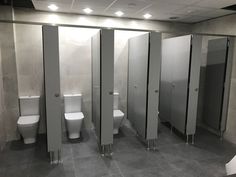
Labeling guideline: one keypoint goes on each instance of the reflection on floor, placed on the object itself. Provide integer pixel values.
(81, 159)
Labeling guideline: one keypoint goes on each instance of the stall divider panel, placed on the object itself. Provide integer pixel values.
(229, 64)
(137, 82)
(96, 117)
(194, 84)
(214, 83)
(107, 85)
(153, 85)
(52, 91)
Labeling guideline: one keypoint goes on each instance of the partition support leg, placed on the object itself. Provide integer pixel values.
(221, 135)
(193, 136)
(148, 145)
(187, 139)
(111, 151)
(55, 157)
(103, 150)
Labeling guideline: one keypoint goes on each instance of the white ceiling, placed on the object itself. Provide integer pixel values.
(189, 11)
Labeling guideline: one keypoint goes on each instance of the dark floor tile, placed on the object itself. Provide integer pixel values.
(17, 171)
(11, 157)
(127, 144)
(94, 166)
(66, 169)
(84, 150)
(135, 160)
(151, 172)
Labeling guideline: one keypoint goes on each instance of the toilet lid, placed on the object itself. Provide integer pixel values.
(74, 116)
(26, 120)
(117, 113)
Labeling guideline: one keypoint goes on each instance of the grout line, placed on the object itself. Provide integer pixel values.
(119, 169)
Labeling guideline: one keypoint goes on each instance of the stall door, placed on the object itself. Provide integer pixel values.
(137, 82)
(103, 83)
(176, 52)
(52, 90)
(214, 83)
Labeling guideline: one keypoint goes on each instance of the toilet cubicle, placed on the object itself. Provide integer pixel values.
(143, 85)
(180, 76)
(102, 89)
(142, 82)
(215, 71)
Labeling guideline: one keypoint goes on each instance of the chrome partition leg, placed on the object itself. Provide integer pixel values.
(187, 139)
(193, 139)
(103, 150)
(148, 145)
(221, 135)
(55, 157)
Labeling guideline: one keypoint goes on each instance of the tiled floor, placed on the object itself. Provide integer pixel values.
(130, 159)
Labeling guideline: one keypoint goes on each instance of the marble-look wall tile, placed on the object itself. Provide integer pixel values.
(76, 67)
(2, 108)
(29, 60)
(9, 77)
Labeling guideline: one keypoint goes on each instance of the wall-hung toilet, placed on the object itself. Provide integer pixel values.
(118, 115)
(73, 115)
(29, 117)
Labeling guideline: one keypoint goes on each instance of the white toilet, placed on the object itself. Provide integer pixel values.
(118, 115)
(73, 115)
(29, 118)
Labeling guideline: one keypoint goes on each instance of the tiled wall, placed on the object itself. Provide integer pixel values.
(10, 112)
(2, 108)
(29, 60)
(76, 67)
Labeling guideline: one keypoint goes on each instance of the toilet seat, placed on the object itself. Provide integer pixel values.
(74, 116)
(118, 113)
(28, 120)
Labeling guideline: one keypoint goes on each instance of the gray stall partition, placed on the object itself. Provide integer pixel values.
(229, 64)
(52, 91)
(143, 83)
(181, 58)
(103, 83)
(217, 58)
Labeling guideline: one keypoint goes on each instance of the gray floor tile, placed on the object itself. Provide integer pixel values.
(17, 171)
(81, 158)
(94, 166)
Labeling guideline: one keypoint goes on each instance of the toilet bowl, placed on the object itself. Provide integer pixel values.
(73, 115)
(118, 115)
(29, 118)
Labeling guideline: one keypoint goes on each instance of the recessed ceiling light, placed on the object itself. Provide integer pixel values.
(53, 7)
(147, 16)
(88, 10)
(119, 13)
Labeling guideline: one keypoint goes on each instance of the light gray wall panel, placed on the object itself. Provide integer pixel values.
(52, 87)
(153, 84)
(194, 85)
(107, 85)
